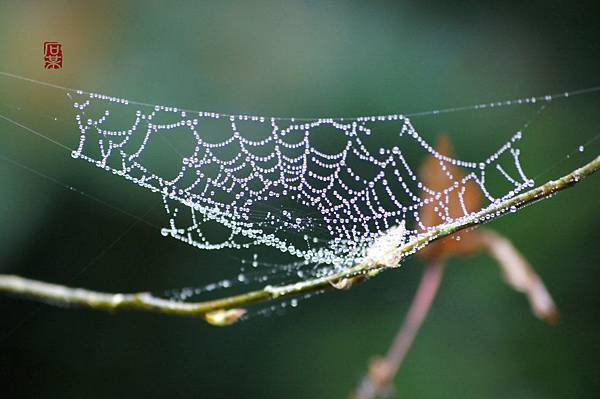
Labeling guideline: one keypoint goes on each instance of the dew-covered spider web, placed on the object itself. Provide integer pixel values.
(327, 192)
(322, 190)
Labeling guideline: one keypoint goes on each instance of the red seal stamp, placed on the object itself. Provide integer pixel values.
(53, 55)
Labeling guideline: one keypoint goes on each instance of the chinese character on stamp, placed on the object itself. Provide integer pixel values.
(53, 55)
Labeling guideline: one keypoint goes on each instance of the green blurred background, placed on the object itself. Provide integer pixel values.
(296, 59)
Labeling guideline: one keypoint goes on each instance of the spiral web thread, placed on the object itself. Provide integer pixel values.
(267, 181)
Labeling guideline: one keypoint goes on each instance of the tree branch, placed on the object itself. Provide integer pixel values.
(224, 311)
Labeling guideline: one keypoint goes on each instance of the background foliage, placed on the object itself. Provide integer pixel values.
(298, 59)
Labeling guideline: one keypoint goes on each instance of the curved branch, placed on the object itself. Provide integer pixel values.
(224, 311)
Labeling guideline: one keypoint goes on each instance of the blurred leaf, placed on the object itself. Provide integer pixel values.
(520, 275)
(517, 272)
(437, 177)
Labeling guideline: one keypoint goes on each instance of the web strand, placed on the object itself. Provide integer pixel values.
(495, 104)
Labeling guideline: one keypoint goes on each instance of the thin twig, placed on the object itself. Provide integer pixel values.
(382, 370)
(62, 295)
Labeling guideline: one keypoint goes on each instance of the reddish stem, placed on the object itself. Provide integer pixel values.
(382, 370)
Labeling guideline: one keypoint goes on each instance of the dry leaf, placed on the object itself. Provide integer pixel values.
(520, 275)
(433, 176)
(224, 317)
(517, 272)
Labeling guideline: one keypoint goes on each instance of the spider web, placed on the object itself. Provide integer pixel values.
(328, 191)
(311, 196)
